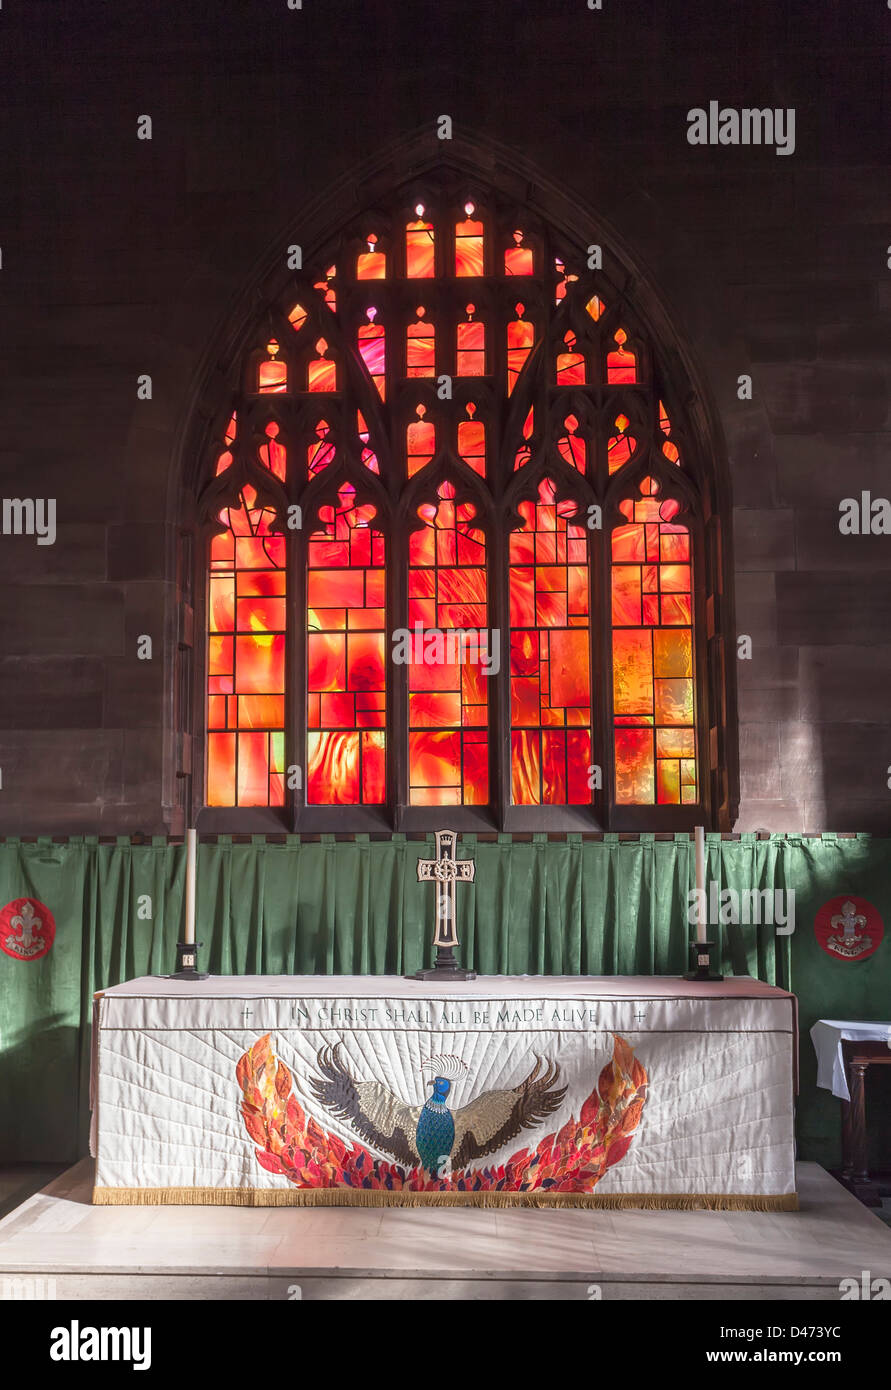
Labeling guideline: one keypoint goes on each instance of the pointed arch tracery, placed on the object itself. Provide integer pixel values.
(450, 398)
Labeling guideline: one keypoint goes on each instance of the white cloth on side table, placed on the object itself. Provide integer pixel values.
(827, 1036)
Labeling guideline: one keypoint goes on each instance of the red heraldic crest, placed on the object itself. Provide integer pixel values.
(27, 929)
(848, 928)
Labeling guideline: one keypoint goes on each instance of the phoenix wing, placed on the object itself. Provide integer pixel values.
(497, 1116)
(374, 1112)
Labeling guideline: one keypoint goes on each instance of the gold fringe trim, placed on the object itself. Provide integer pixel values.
(360, 1197)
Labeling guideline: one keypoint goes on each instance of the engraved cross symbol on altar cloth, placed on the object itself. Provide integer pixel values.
(445, 870)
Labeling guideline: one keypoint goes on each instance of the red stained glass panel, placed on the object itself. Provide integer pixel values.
(518, 259)
(246, 670)
(469, 245)
(520, 338)
(346, 666)
(419, 248)
(472, 443)
(549, 656)
(420, 346)
(448, 698)
(372, 349)
(653, 655)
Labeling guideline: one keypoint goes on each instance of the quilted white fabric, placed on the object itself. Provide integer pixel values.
(719, 1060)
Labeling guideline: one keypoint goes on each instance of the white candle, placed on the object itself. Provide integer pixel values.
(191, 863)
(702, 915)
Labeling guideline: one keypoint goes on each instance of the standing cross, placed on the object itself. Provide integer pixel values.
(445, 871)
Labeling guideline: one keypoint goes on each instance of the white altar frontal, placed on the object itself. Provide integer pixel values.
(530, 1090)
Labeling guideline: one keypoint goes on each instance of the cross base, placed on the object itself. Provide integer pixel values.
(187, 962)
(446, 968)
(443, 973)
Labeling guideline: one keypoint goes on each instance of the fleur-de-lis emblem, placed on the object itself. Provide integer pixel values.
(26, 925)
(27, 929)
(849, 936)
(849, 919)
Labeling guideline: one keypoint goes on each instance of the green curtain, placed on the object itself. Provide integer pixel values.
(331, 906)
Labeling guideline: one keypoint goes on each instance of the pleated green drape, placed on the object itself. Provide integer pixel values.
(568, 906)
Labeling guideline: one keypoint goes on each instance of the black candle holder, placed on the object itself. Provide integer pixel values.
(701, 961)
(187, 962)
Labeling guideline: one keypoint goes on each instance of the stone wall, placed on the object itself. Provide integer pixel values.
(122, 256)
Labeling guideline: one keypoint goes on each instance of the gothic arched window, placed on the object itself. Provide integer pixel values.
(463, 546)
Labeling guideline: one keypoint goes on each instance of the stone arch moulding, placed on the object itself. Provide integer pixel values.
(324, 230)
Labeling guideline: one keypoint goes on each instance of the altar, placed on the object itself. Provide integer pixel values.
(530, 1090)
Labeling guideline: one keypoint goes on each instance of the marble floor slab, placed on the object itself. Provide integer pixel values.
(355, 1252)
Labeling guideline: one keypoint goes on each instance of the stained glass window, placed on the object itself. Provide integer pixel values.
(550, 672)
(392, 499)
(654, 692)
(448, 750)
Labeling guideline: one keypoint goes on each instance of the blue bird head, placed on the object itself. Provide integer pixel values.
(445, 1068)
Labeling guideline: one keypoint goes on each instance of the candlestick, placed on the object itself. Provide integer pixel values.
(191, 865)
(701, 899)
(187, 949)
(701, 949)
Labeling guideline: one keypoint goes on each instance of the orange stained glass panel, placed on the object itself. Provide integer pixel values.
(635, 781)
(471, 353)
(321, 452)
(572, 446)
(570, 364)
(520, 338)
(420, 442)
(420, 347)
(322, 375)
(246, 592)
(472, 445)
(272, 454)
(371, 264)
(621, 446)
(272, 375)
(346, 667)
(549, 655)
(419, 248)
(448, 698)
(632, 671)
(653, 655)
(518, 259)
(469, 247)
(621, 362)
(372, 350)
